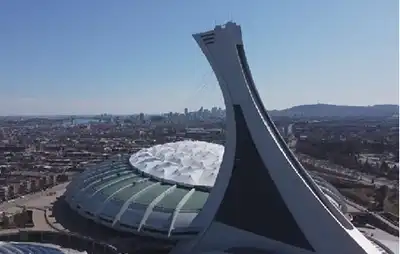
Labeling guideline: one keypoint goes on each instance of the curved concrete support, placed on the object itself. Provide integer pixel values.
(262, 198)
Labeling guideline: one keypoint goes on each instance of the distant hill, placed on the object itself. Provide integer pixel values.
(328, 110)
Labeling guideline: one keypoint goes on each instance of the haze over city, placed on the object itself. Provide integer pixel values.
(89, 57)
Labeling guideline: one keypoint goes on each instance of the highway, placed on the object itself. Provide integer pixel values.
(361, 177)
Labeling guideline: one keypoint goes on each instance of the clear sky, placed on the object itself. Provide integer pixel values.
(101, 56)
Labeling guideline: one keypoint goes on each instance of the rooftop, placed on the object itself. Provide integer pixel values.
(116, 180)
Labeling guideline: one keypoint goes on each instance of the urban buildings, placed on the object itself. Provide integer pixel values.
(262, 201)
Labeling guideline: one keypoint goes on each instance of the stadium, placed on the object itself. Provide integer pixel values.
(160, 191)
(17, 247)
(157, 191)
(35, 241)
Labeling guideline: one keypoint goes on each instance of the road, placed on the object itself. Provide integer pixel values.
(351, 173)
(29, 198)
(362, 177)
(354, 207)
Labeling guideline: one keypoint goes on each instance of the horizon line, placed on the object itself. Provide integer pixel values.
(166, 112)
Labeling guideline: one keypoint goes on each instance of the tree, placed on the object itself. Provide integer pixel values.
(384, 168)
(366, 167)
(393, 173)
(381, 196)
(5, 220)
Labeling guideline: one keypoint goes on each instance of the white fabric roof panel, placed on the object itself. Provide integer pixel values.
(192, 163)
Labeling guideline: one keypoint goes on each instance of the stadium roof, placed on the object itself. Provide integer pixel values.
(27, 248)
(121, 196)
(189, 163)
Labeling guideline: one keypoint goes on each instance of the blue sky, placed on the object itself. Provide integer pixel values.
(100, 56)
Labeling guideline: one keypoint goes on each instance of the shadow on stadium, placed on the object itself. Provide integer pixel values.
(125, 242)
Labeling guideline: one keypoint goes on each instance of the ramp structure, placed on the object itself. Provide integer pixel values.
(263, 200)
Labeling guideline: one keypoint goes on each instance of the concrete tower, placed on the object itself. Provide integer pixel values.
(263, 200)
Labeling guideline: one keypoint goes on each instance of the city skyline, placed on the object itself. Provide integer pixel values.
(207, 109)
(80, 58)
